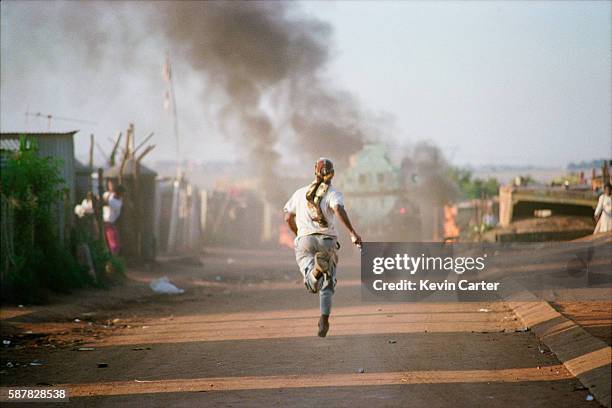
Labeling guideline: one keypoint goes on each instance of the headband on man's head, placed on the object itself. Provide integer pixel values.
(324, 167)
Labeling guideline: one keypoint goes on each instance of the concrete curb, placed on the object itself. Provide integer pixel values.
(588, 358)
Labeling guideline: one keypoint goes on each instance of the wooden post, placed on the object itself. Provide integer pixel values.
(173, 227)
(132, 140)
(99, 203)
(126, 153)
(146, 139)
(138, 216)
(111, 161)
(145, 152)
(91, 152)
(137, 200)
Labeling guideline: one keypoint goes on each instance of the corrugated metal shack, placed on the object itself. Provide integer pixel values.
(82, 180)
(180, 210)
(58, 146)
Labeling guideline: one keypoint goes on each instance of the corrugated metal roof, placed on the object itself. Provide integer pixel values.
(15, 135)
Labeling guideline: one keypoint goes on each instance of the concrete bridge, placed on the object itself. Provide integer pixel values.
(516, 203)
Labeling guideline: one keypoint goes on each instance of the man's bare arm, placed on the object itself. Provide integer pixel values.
(341, 213)
(290, 220)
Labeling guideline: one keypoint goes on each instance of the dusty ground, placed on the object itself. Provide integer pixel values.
(243, 334)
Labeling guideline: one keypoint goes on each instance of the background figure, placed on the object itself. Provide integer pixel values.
(110, 213)
(603, 212)
(86, 216)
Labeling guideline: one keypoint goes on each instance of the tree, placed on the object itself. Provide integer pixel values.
(473, 188)
(31, 187)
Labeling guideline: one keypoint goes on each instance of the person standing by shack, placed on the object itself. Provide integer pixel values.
(113, 201)
(311, 215)
(86, 217)
(603, 212)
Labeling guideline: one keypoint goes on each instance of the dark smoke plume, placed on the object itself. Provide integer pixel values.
(251, 49)
(425, 173)
(264, 66)
(426, 170)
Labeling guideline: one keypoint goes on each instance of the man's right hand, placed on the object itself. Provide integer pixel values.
(341, 213)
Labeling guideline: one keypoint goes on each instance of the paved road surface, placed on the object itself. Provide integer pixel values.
(244, 334)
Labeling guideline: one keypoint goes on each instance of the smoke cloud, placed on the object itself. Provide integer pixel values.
(262, 64)
(425, 172)
(262, 51)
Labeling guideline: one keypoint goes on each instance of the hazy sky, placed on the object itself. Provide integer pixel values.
(489, 82)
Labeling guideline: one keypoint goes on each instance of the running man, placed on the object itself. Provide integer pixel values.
(311, 215)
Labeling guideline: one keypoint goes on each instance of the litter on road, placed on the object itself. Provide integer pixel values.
(163, 285)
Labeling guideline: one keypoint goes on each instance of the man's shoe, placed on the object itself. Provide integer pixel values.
(323, 326)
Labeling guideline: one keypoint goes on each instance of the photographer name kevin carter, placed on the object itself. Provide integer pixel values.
(427, 285)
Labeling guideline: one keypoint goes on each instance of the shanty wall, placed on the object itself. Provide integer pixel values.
(179, 208)
(61, 147)
(82, 181)
(58, 146)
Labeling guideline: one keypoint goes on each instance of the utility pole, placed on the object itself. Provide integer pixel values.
(91, 152)
(171, 100)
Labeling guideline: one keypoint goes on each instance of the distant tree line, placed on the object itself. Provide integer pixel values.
(473, 188)
(593, 164)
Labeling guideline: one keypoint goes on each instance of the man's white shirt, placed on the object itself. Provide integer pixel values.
(304, 214)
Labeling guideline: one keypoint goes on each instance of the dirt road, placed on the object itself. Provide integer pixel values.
(244, 334)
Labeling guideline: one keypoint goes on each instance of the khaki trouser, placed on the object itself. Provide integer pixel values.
(305, 249)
